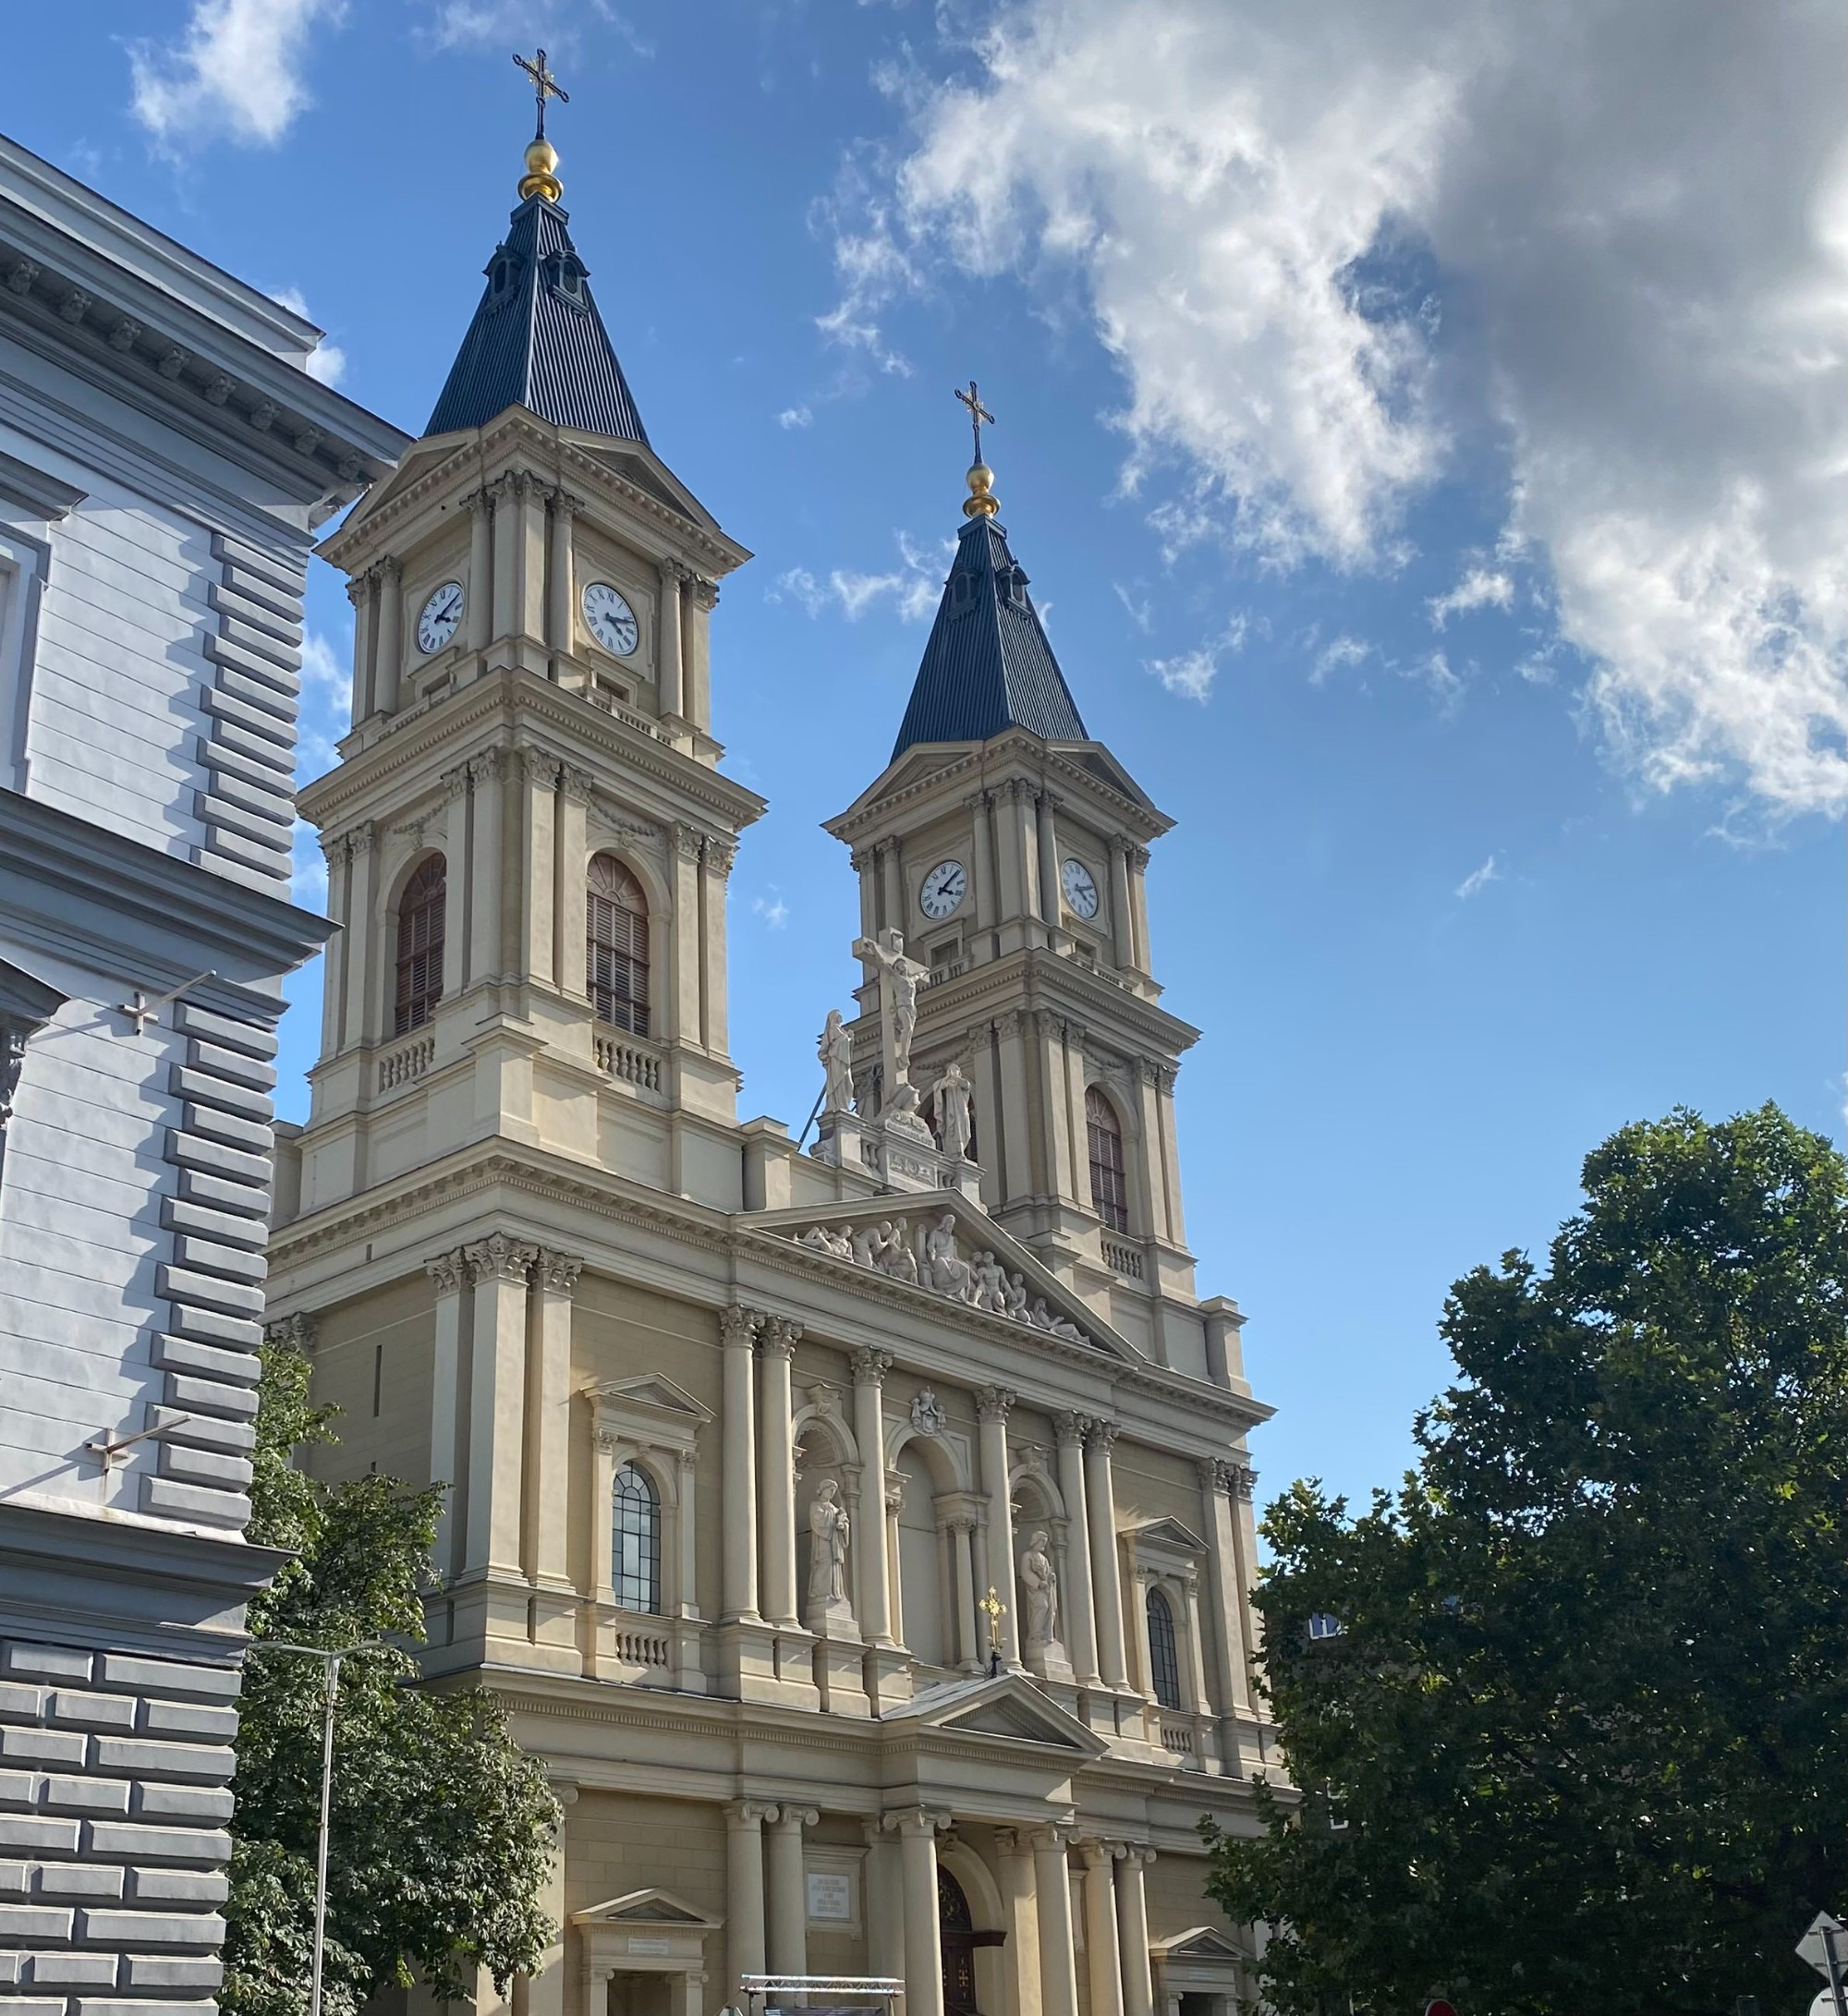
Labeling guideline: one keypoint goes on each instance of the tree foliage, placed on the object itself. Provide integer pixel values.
(441, 1827)
(1582, 1742)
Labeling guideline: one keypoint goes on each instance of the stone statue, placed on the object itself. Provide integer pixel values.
(828, 1532)
(951, 1094)
(901, 1110)
(835, 1049)
(1040, 1592)
(898, 982)
(898, 1259)
(1015, 1296)
(990, 1283)
(949, 1273)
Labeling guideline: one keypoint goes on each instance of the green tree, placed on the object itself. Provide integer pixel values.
(441, 1827)
(1580, 1743)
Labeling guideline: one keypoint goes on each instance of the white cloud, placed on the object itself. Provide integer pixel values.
(326, 362)
(1191, 675)
(480, 24)
(235, 69)
(1645, 208)
(772, 909)
(794, 416)
(1139, 612)
(913, 589)
(1477, 590)
(1479, 879)
(326, 704)
(1337, 655)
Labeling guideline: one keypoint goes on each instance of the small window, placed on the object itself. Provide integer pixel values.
(617, 945)
(635, 1557)
(421, 911)
(1323, 1625)
(1109, 1183)
(1163, 1657)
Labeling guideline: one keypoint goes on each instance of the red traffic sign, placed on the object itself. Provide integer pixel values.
(1440, 2008)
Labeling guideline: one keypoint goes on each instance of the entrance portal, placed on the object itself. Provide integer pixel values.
(958, 1932)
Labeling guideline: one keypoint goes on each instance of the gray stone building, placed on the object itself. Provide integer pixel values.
(164, 456)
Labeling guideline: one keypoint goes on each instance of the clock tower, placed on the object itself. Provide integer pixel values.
(1008, 847)
(532, 694)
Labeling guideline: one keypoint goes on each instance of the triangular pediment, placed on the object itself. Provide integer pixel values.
(1009, 1707)
(1170, 1533)
(821, 1232)
(649, 1907)
(652, 1390)
(1199, 1943)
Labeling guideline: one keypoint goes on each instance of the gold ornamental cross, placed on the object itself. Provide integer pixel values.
(545, 85)
(977, 414)
(995, 1609)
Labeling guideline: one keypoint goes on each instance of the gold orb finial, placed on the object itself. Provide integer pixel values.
(981, 503)
(542, 173)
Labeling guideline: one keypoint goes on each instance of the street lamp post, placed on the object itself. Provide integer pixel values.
(331, 1664)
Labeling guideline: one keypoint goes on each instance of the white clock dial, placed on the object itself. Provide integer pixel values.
(942, 890)
(1075, 878)
(439, 616)
(610, 619)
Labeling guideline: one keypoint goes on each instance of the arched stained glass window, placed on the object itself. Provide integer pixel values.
(1110, 1181)
(615, 963)
(634, 1555)
(419, 976)
(1162, 1656)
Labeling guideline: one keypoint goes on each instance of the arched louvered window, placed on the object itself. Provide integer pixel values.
(1163, 1659)
(1110, 1181)
(616, 961)
(419, 982)
(635, 1554)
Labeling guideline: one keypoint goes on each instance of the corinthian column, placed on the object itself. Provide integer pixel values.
(1106, 1575)
(993, 1404)
(391, 634)
(446, 1271)
(556, 1276)
(875, 1599)
(737, 1330)
(916, 1829)
(669, 676)
(1102, 1961)
(777, 1348)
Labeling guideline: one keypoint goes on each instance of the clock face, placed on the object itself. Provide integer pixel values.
(610, 619)
(942, 890)
(441, 613)
(1075, 878)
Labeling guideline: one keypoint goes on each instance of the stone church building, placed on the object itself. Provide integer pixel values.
(859, 1529)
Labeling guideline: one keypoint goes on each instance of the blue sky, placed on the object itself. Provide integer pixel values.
(1426, 442)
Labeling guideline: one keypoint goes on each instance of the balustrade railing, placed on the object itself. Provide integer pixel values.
(1123, 1260)
(619, 1058)
(641, 1649)
(1177, 1736)
(410, 1060)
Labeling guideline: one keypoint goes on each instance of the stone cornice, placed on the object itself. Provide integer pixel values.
(513, 700)
(1094, 995)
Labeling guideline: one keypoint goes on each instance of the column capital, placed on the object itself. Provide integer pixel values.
(1121, 844)
(917, 1820)
(1012, 1841)
(674, 571)
(360, 838)
(720, 852)
(558, 1271)
(1070, 1429)
(562, 504)
(779, 1337)
(1054, 1840)
(294, 1332)
(1095, 1854)
(738, 1326)
(497, 1257)
(486, 765)
(687, 841)
(748, 1812)
(1243, 1480)
(454, 783)
(1101, 1434)
(359, 587)
(869, 1367)
(580, 786)
(993, 1402)
(793, 1818)
(705, 592)
(445, 1270)
(479, 501)
(540, 765)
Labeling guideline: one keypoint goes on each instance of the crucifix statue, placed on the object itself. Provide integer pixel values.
(544, 86)
(977, 411)
(898, 982)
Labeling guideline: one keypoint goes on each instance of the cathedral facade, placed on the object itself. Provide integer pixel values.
(861, 1531)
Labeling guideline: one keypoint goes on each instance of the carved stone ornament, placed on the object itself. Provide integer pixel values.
(738, 1326)
(122, 337)
(927, 1413)
(262, 415)
(871, 1366)
(779, 1336)
(929, 1258)
(21, 275)
(559, 1271)
(445, 1270)
(578, 784)
(293, 1332)
(497, 1257)
(993, 1402)
(1070, 1429)
(825, 1400)
(74, 306)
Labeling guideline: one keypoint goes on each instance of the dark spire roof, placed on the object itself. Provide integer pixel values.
(988, 665)
(536, 339)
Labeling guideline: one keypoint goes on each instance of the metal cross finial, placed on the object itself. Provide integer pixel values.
(544, 86)
(995, 1609)
(977, 414)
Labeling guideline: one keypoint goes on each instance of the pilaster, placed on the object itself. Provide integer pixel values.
(447, 1272)
(993, 1404)
(1080, 1614)
(1106, 1574)
(485, 866)
(389, 663)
